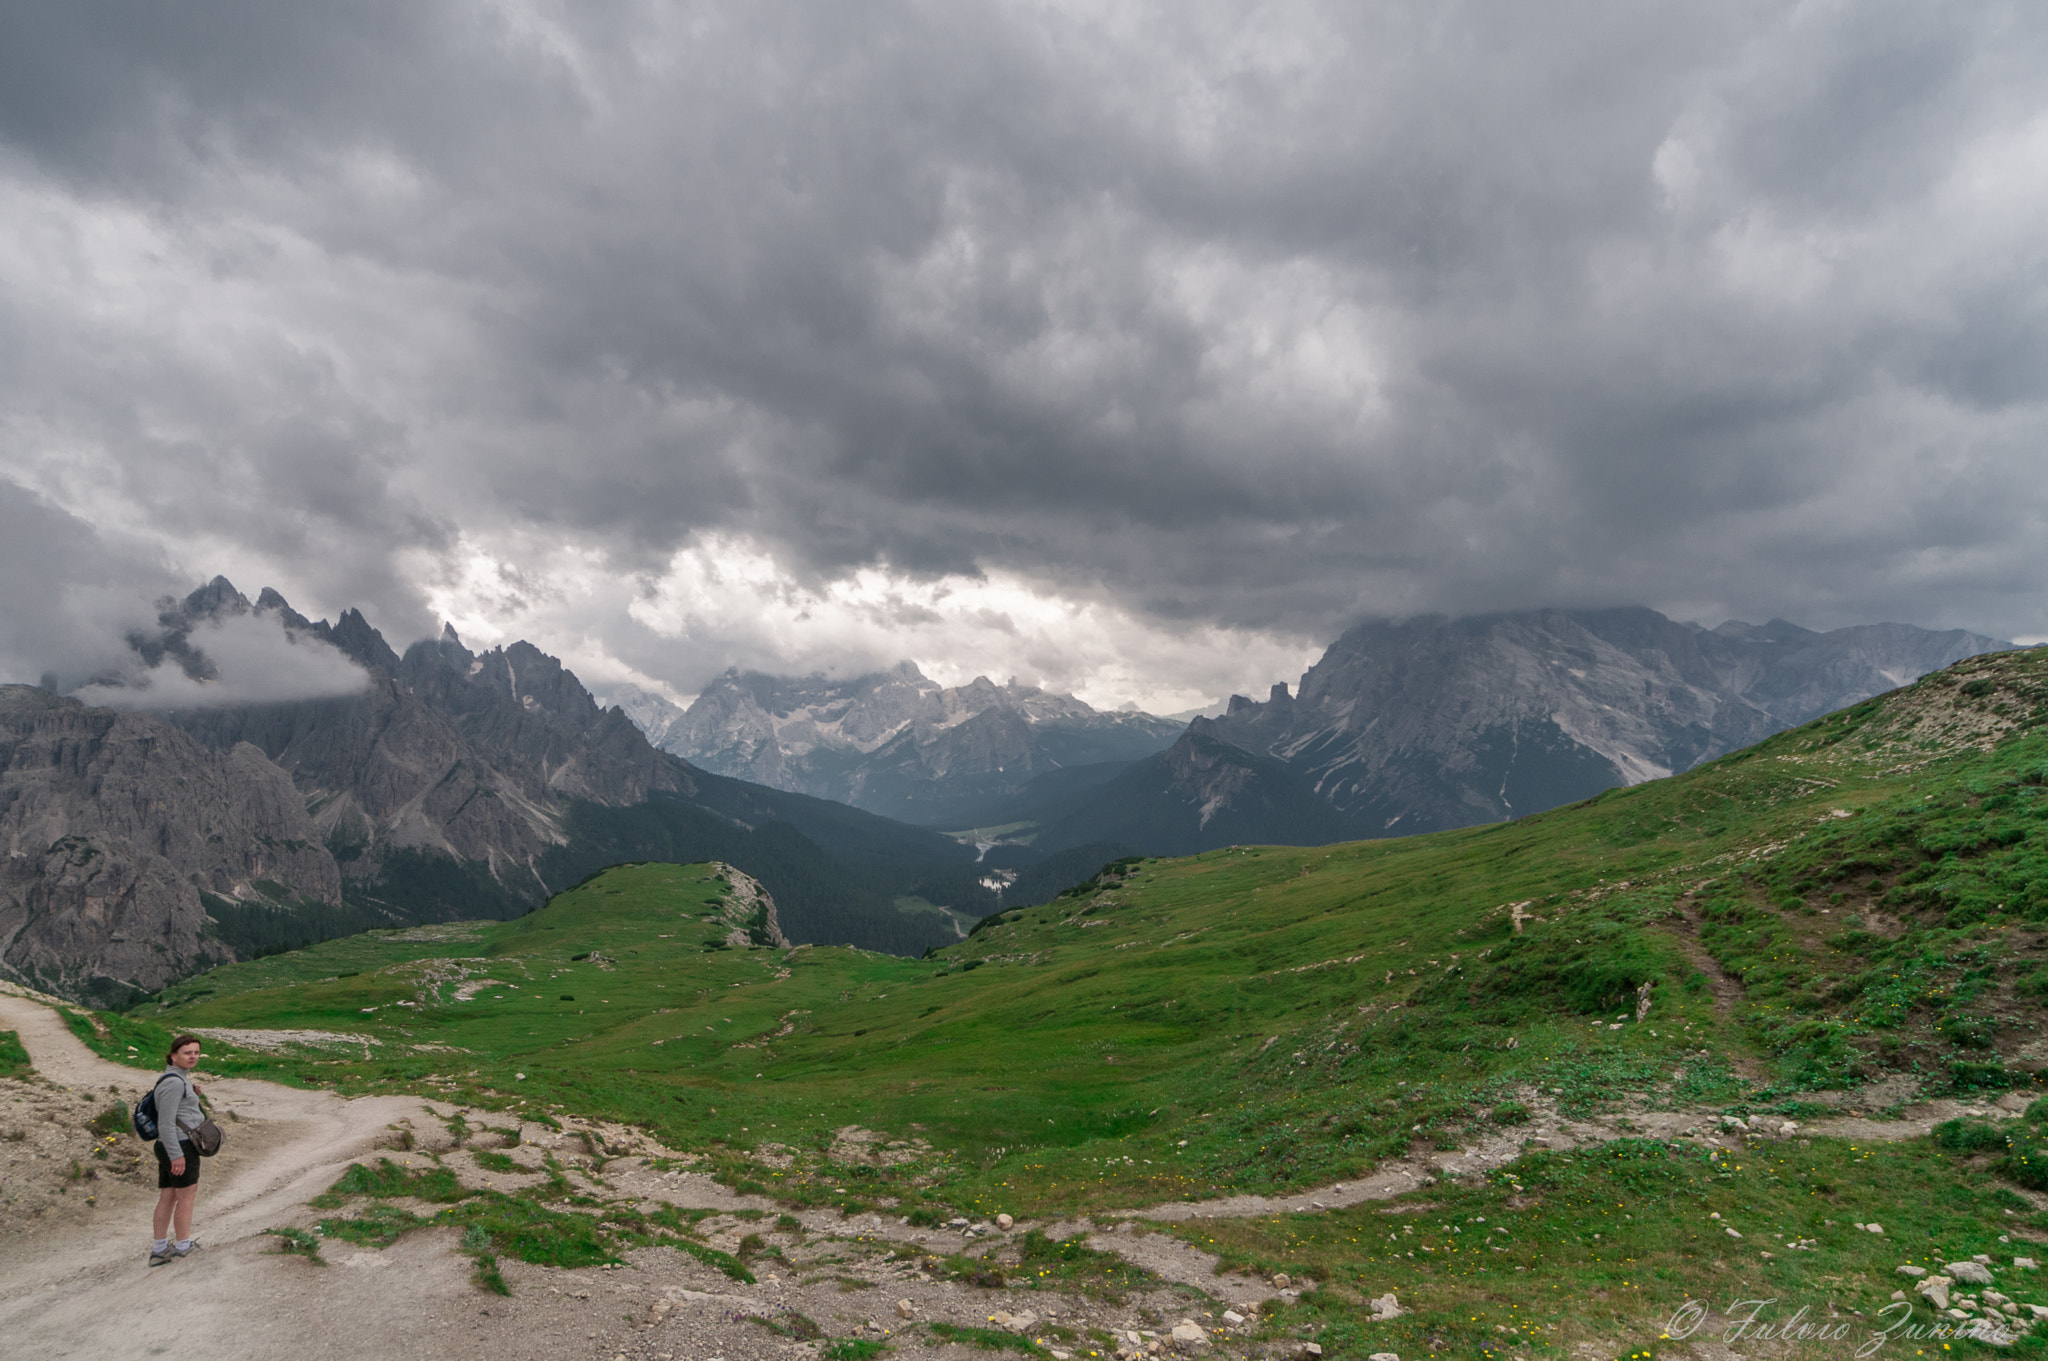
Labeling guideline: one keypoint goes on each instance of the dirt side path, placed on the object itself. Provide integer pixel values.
(82, 1287)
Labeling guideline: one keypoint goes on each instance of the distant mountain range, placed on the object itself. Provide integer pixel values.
(894, 742)
(1435, 722)
(141, 847)
(1401, 727)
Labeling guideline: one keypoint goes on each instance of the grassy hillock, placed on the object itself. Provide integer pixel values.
(1851, 915)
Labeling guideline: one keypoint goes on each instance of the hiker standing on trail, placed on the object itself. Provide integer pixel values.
(178, 1113)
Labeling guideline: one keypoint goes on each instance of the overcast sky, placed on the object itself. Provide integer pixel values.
(1128, 349)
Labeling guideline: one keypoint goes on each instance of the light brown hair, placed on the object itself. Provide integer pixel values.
(178, 1044)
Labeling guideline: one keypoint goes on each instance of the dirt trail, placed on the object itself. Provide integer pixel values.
(85, 1290)
(81, 1288)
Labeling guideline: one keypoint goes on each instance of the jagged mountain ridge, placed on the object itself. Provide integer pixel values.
(452, 784)
(893, 742)
(1434, 722)
(126, 842)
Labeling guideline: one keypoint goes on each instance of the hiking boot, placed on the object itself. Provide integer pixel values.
(167, 1255)
(177, 1251)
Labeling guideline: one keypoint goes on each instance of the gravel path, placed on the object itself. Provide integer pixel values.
(74, 1283)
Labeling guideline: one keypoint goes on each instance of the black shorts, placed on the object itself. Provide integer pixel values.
(164, 1180)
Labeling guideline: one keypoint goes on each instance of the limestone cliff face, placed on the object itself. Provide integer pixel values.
(1433, 722)
(113, 826)
(749, 910)
(142, 847)
(447, 751)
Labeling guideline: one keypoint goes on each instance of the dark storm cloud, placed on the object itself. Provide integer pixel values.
(1256, 317)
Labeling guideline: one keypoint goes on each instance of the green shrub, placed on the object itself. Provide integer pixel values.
(298, 1243)
(1968, 1136)
(1596, 970)
(852, 1349)
(1983, 1076)
(112, 1120)
(389, 1179)
(2026, 1162)
(987, 1339)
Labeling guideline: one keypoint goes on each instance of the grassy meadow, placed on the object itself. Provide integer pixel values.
(1858, 906)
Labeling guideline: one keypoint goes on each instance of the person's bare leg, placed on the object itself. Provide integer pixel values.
(162, 1222)
(186, 1195)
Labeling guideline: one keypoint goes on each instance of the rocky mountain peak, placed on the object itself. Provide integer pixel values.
(894, 742)
(1434, 722)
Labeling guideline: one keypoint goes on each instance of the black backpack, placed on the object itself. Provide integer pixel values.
(145, 1120)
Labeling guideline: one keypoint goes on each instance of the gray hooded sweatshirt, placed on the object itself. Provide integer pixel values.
(177, 1108)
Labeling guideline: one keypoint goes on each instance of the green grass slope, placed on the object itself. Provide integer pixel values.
(1856, 910)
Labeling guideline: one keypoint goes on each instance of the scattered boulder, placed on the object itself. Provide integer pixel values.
(1282, 1280)
(1386, 1307)
(1005, 1222)
(1971, 1273)
(2026, 1264)
(1935, 1290)
(1384, 1356)
(1188, 1335)
(1912, 1271)
(905, 1309)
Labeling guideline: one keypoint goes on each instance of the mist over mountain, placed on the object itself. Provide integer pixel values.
(442, 784)
(894, 742)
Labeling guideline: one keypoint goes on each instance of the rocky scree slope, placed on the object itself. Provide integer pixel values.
(894, 742)
(1433, 722)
